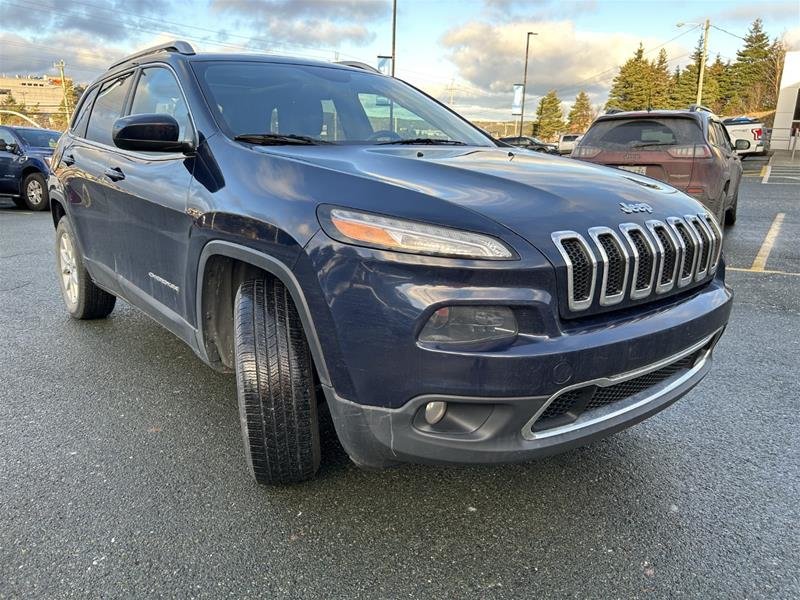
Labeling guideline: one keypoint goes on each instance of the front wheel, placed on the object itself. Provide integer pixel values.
(83, 299)
(34, 192)
(275, 385)
(730, 214)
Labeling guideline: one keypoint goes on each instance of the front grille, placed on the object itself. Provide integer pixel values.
(637, 261)
(570, 405)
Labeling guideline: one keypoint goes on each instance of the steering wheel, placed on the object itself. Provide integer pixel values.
(384, 134)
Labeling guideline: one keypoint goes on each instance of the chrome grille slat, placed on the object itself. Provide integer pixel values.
(614, 257)
(563, 241)
(668, 248)
(704, 246)
(716, 234)
(644, 259)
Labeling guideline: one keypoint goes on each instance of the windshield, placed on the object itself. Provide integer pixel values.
(641, 133)
(333, 105)
(39, 138)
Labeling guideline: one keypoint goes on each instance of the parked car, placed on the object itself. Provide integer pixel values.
(567, 141)
(25, 154)
(688, 149)
(531, 143)
(448, 300)
(752, 130)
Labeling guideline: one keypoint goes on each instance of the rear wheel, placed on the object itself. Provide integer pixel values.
(275, 385)
(83, 299)
(34, 192)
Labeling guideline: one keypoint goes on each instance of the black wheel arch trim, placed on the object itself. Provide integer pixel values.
(273, 267)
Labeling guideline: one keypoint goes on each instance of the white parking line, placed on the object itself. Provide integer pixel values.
(769, 241)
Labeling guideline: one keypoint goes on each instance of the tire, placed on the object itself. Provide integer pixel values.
(34, 192)
(275, 385)
(83, 299)
(730, 214)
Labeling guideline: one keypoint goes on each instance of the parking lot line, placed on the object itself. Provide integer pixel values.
(766, 171)
(761, 272)
(769, 241)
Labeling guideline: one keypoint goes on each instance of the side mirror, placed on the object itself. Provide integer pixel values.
(149, 133)
(13, 148)
(742, 145)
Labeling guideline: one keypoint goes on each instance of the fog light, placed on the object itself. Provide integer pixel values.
(469, 324)
(434, 412)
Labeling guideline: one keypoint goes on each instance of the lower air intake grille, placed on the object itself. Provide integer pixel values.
(589, 398)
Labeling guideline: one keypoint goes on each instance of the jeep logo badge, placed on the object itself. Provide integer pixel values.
(635, 208)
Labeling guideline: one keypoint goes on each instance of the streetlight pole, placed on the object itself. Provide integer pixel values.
(703, 63)
(525, 80)
(394, 32)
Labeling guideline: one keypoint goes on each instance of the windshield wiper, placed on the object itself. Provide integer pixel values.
(646, 144)
(279, 139)
(429, 141)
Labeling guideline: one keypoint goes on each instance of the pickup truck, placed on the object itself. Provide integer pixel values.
(750, 129)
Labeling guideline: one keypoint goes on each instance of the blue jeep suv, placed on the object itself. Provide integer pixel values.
(343, 242)
(25, 154)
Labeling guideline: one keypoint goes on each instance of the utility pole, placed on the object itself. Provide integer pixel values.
(67, 110)
(703, 62)
(525, 80)
(394, 33)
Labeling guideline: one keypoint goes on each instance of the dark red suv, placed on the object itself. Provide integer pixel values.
(688, 149)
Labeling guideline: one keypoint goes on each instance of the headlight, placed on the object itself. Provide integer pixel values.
(375, 231)
(49, 161)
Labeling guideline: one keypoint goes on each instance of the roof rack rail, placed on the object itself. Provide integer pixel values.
(178, 46)
(613, 111)
(358, 65)
(696, 107)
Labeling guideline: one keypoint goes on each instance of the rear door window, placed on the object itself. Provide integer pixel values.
(624, 134)
(82, 116)
(108, 108)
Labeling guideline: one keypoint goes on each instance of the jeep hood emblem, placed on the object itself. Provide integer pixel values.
(635, 208)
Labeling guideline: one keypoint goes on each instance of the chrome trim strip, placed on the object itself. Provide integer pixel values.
(709, 219)
(595, 233)
(702, 269)
(626, 228)
(674, 222)
(652, 225)
(558, 237)
(581, 422)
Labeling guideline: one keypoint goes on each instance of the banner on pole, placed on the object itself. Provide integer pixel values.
(516, 104)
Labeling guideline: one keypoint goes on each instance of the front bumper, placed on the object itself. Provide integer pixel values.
(503, 430)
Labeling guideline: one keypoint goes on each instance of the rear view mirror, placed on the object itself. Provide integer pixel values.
(742, 145)
(149, 133)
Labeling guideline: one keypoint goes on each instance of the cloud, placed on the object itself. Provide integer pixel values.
(490, 58)
(106, 19)
(306, 21)
(750, 11)
(791, 37)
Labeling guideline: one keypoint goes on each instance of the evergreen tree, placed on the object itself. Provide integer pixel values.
(631, 88)
(751, 69)
(718, 75)
(549, 116)
(661, 81)
(581, 114)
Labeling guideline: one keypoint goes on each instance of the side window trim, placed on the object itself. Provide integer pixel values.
(87, 100)
(162, 65)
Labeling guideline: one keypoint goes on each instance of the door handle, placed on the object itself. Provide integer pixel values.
(114, 173)
(68, 159)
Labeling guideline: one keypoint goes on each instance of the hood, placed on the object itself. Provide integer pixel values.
(37, 151)
(532, 194)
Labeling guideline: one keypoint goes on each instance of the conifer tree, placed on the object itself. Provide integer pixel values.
(581, 114)
(549, 116)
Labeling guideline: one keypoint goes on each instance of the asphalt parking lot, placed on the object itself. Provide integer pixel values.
(121, 468)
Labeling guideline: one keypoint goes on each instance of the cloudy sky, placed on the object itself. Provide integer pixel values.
(470, 51)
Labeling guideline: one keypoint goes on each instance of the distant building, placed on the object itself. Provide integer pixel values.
(42, 96)
(787, 111)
